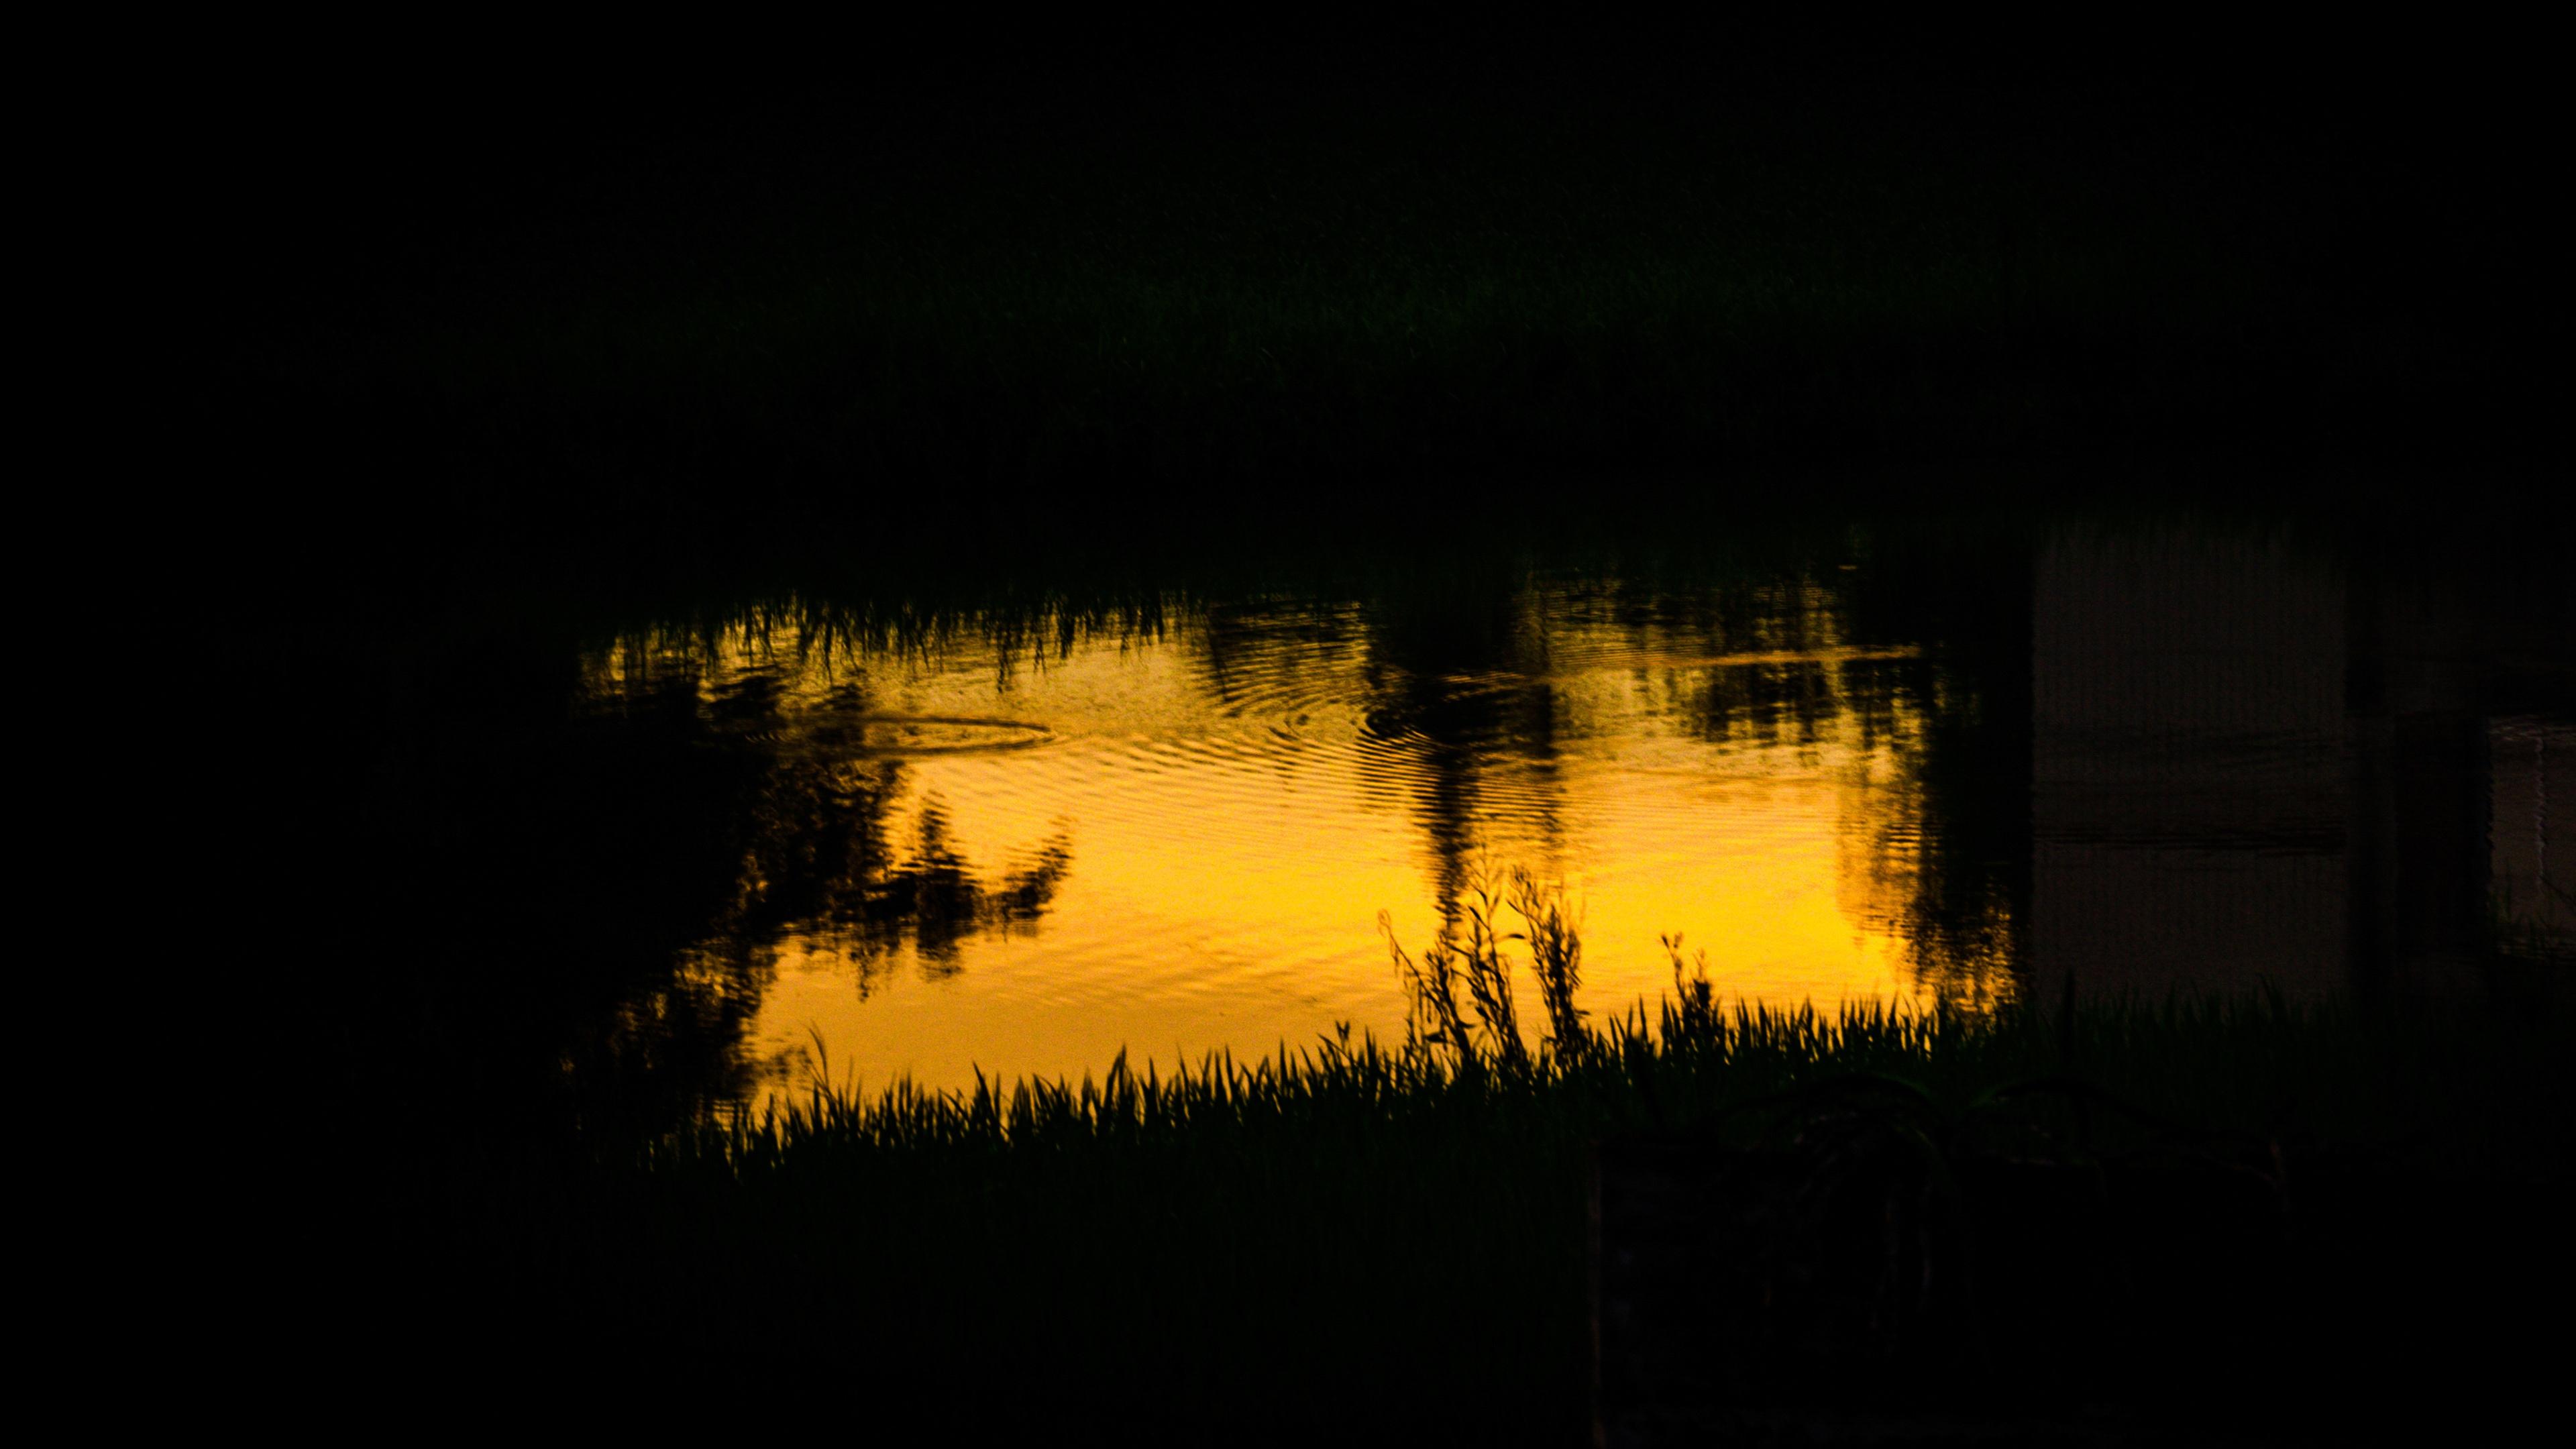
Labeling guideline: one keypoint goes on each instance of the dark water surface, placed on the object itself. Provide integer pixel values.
(1022, 837)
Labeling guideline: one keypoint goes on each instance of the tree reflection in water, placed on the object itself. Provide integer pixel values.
(825, 862)
(727, 803)
(1907, 683)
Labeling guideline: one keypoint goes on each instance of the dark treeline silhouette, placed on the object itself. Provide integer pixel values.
(960, 283)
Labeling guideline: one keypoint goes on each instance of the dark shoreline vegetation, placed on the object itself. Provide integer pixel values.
(2079, 1218)
(898, 1242)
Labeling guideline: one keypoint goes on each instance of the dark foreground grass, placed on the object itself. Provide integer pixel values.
(1350, 1239)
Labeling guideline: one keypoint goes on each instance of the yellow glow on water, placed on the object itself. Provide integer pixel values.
(1236, 799)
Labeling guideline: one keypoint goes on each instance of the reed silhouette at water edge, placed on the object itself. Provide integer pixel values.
(2115, 1216)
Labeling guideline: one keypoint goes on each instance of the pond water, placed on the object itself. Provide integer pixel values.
(1179, 837)
(1022, 839)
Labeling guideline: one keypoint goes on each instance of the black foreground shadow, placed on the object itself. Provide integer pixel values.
(525, 349)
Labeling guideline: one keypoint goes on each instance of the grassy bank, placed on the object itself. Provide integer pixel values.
(2157, 1212)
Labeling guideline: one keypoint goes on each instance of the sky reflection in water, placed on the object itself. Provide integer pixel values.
(2147, 758)
(1025, 849)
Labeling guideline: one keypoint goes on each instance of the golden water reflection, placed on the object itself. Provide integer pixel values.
(1026, 846)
